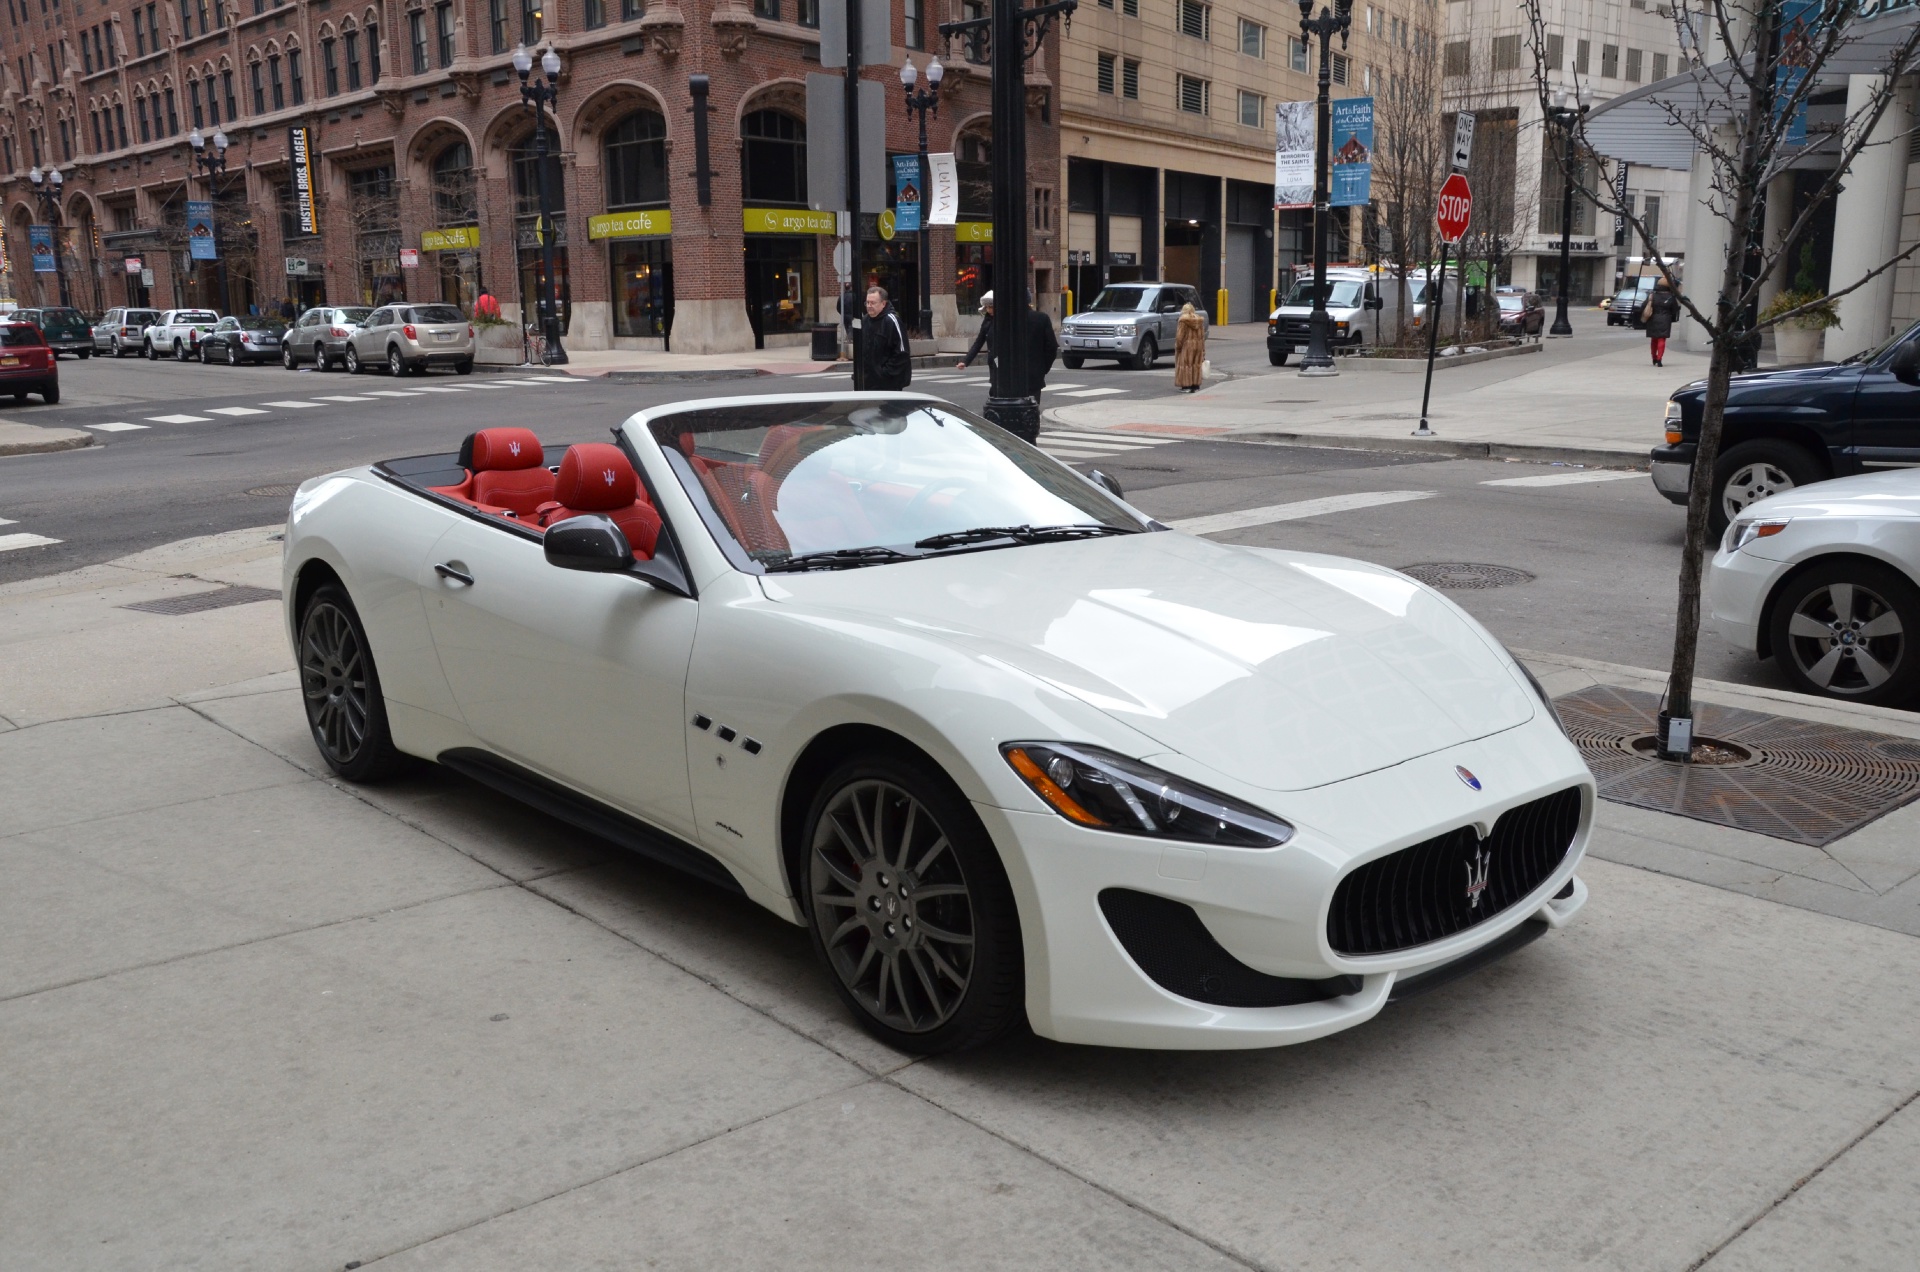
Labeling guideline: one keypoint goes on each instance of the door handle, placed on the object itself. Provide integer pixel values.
(458, 575)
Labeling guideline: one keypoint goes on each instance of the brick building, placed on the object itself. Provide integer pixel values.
(424, 176)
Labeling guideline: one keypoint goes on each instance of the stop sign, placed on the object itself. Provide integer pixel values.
(1454, 209)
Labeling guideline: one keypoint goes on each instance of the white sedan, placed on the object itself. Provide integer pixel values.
(1009, 748)
(1823, 578)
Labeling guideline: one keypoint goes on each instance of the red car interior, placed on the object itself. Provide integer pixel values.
(507, 477)
(597, 477)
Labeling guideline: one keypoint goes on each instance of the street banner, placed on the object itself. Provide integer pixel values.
(1620, 201)
(1293, 155)
(200, 246)
(1352, 151)
(40, 241)
(906, 193)
(943, 195)
(300, 159)
(1798, 18)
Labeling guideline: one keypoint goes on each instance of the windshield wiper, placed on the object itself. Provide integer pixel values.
(1019, 534)
(839, 559)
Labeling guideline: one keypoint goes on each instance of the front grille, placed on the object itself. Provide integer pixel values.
(1294, 327)
(1090, 329)
(1421, 894)
(1168, 942)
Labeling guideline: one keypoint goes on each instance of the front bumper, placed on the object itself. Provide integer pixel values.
(1672, 469)
(1737, 586)
(1100, 346)
(1268, 908)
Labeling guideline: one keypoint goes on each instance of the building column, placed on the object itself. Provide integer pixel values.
(1866, 221)
(1707, 242)
(1773, 236)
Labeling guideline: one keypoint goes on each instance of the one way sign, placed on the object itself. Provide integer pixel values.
(1462, 141)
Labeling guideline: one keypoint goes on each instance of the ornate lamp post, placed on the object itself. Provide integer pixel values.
(46, 187)
(213, 164)
(1566, 118)
(1330, 22)
(539, 94)
(1015, 34)
(923, 103)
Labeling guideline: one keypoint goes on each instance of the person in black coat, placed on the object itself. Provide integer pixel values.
(983, 340)
(1042, 348)
(886, 357)
(1663, 310)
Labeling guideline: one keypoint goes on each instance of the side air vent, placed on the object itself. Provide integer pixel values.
(1168, 942)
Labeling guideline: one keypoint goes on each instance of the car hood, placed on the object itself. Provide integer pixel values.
(1782, 377)
(1281, 670)
(1895, 493)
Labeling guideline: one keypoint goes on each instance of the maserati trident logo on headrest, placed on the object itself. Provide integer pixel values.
(513, 449)
(609, 476)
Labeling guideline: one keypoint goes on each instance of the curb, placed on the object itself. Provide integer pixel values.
(1414, 366)
(1589, 456)
(36, 439)
(714, 375)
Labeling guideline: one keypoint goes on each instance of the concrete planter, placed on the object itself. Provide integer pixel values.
(1796, 344)
(498, 345)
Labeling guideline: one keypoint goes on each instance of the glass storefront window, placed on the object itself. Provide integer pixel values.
(973, 274)
(642, 286)
(781, 270)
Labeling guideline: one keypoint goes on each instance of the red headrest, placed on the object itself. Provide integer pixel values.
(501, 450)
(595, 477)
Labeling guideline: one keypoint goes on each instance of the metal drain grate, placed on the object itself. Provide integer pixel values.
(274, 492)
(196, 602)
(1807, 783)
(1465, 575)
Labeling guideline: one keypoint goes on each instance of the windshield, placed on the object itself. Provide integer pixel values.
(1120, 300)
(357, 313)
(435, 313)
(778, 480)
(1877, 352)
(1512, 302)
(1342, 293)
(143, 315)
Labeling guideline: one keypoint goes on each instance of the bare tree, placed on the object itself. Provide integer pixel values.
(1739, 109)
(1410, 153)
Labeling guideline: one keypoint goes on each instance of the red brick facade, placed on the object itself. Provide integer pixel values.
(75, 76)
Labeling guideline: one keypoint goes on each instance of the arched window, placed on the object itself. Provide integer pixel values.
(526, 189)
(350, 38)
(636, 161)
(455, 200)
(776, 158)
(330, 60)
(140, 114)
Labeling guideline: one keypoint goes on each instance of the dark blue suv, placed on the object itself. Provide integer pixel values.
(1799, 425)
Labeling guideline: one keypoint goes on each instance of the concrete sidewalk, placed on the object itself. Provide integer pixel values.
(252, 1017)
(36, 439)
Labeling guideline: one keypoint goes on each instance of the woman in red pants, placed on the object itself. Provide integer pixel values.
(1663, 310)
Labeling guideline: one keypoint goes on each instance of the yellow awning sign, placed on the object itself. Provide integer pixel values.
(620, 225)
(786, 221)
(885, 224)
(973, 232)
(454, 239)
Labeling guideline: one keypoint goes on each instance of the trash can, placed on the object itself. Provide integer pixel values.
(826, 342)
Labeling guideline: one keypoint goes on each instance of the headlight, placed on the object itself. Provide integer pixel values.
(1741, 533)
(1673, 423)
(1103, 791)
(1540, 691)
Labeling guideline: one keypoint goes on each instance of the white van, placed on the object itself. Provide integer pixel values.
(1360, 302)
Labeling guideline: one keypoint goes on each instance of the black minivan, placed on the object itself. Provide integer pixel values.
(66, 330)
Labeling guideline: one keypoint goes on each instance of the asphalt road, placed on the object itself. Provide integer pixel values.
(1602, 554)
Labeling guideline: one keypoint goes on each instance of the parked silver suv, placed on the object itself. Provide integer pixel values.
(410, 337)
(320, 336)
(120, 331)
(1133, 323)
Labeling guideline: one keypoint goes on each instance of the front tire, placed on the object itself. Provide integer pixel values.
(910, 909)
(1072, 361)
(206, 359)
(1279, 359)
(287, 359)
(353, 361)
(152, 354)
(1147, 354)
(1846, 628)
(341, 690)
(1749, 472)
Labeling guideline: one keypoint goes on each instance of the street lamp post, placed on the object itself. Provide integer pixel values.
(539, 94)
(46, 186)
(924, 102)
(212, 164)
(1565, 118)
(1329, 23)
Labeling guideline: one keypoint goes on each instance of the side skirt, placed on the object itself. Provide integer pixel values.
(589, 815)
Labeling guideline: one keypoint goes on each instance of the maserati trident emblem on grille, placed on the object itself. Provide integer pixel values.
(1466, 775)
(1477, 876)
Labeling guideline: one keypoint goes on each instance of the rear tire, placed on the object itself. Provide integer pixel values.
(340, 688)
(463, 368)
(353, 361)
(1848, 628)
(396, 365)
(1751, 471)
(85, 354)
(206, 359)
(51, 394)
(910, 909)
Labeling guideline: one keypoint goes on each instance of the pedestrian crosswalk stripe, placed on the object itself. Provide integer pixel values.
(390, 393)
(117, 426)
(1562, 479)
(817, 375)
(440, 388)
(344, 398)
(1272, 513)
(8, 542)
(1114, 439)
(1054, 388)
(292, 406)
(234, 410)
(178, 419)
(552, 379)
(1091, 448)
(1097, 392)
(6, 522)
(1072, 453)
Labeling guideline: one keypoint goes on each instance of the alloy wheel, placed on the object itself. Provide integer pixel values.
(1846, 638)
(1751, 483)
(286, 357)
(396, 365)
(233, 356)
(333, 677)
(353, 361)
(892, 905)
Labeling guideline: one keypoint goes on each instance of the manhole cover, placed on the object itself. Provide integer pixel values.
(274, 492)
(1465, 575)
(196, 602)
(1797, 780)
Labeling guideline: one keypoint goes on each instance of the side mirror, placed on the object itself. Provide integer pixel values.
(1905, 363)
(590, 542)
(1106, 483)
(1375, 302)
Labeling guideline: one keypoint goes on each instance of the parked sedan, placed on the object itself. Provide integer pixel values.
(1008, 748)
(320, 336)
(1825, 578)
(27, 364)
(66, 330)
(411, 338)
(236, 340)
(1521, 314)
(120, 331)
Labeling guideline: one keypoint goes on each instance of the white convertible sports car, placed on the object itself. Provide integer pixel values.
(1005, 745)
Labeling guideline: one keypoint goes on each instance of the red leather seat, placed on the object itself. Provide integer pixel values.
(597, 477)
(506, 470)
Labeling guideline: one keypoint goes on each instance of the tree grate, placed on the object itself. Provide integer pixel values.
(1462, 576)
(198, 602)
(1806, 782)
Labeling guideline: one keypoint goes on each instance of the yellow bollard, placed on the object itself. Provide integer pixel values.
(1066, 303)
(1273, 299)
(1220, 308)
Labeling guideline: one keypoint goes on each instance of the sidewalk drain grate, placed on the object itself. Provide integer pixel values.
(274, 492)
(1797, 780)
(196, 602)
(1465, 576)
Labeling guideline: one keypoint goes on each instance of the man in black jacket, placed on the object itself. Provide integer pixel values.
(886, 357)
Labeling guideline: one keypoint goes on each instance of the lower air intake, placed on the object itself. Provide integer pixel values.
(1168, 942)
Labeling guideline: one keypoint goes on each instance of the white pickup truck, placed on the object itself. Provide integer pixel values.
(177, 333)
